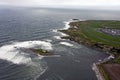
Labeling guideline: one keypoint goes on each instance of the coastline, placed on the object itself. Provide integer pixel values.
(98, 46)
(95, 67)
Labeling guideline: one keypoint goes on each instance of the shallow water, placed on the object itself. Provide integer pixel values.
(23, 28)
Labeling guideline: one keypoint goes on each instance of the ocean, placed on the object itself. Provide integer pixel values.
(24, 28)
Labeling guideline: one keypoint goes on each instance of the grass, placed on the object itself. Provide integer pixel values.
(88, 34)
(89, 30)
(41, 52)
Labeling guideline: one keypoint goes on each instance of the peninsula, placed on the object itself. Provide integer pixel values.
(103, 35)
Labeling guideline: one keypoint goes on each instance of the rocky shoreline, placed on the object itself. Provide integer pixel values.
(98, 46)
(41, 52)
(75, 35)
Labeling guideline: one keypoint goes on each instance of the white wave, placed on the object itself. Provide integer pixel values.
(54, 30)
(48, 40)
(67, 26)
(66, 44)
(57, 37)
(13, 52)
(63, 34)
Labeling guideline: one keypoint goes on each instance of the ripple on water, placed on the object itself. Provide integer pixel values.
(18, 61)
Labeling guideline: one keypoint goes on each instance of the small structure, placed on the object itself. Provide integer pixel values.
(114, 32)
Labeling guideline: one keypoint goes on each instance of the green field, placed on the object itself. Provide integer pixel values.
(86, 32)
(89, 31)
(89, 34)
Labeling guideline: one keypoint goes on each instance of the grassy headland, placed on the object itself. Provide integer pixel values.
(90, 34)
(87, 33)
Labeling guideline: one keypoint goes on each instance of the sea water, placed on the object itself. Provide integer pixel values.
(24, 28)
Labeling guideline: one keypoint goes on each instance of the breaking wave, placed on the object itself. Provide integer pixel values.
(67, 26)
(66, 44)
(17, 53)
(57, 37)
(54, 30)
(48, 40)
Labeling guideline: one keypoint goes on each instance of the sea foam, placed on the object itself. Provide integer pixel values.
(57, 37)
(67, 26)
(66, 44)
(14, 54)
